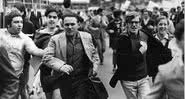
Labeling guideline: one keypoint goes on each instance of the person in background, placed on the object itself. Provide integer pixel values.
(170, 78)
(96, 27)
(155, 14)
(41, 40)
(36, 18)
(146, 22)
(173, 14)
(114, 29)
(181, 11)
(171, 28)
(9, 83)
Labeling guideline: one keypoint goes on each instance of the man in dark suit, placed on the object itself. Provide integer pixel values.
(147, 23)
(9, 83)
(36, 18)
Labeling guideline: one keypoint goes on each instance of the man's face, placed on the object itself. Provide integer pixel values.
(145, 15)
(70, 25)
(16, 25)
(134, 25)
(52, 19)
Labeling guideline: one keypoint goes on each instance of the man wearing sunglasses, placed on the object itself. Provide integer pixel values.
(73, 54)
(131, 59)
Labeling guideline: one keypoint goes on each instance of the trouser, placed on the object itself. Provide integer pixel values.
(136, 89)
(100, 49)
(76, 88)
(114, 58)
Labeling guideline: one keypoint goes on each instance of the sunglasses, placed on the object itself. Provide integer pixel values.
(54, 17)
(68, 24)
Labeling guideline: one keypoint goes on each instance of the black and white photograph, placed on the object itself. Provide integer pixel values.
(92, 49)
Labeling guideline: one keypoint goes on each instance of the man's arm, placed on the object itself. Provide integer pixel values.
(32, 49)
(55, 63)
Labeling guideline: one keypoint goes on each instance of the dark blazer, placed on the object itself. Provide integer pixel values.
(36, 20)
(156, 54)
(9, 83)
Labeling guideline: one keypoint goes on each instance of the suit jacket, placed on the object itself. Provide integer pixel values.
(55, 55)
(169, 80)
(9, 83)
(36, 20)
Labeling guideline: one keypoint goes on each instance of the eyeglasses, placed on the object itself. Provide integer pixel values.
(54, 17)
(68, 24)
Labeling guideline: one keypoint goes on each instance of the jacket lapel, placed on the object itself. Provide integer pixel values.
(86, 45)
(63, 44)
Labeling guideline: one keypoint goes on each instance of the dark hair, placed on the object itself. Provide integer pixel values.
(50, 9)
(72, 15)
(165, 13)
(67, 3)
(179, 30)
(161, 18)
(117, 13)
(155, 8)
(129, 17)
(21, 7)
(178, 7)
(11, 15)
(100, 10)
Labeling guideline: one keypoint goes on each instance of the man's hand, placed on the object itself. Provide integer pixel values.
(143, 47)
(66, 69)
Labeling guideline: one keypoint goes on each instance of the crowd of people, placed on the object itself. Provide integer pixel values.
(148, 52)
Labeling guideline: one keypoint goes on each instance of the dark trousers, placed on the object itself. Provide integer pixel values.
(77, 88)
(100, 49)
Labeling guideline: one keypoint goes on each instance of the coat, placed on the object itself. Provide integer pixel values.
(55, 55)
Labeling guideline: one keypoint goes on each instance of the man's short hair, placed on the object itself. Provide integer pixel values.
(50, 9)
(11, 15)
(130, 16)
(117, 13)
(161, 18)
(72, 15)
(179, 30)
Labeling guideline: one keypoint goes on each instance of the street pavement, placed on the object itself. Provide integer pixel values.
(105, 73)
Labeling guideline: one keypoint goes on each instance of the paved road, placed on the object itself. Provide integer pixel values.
(105, 73)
